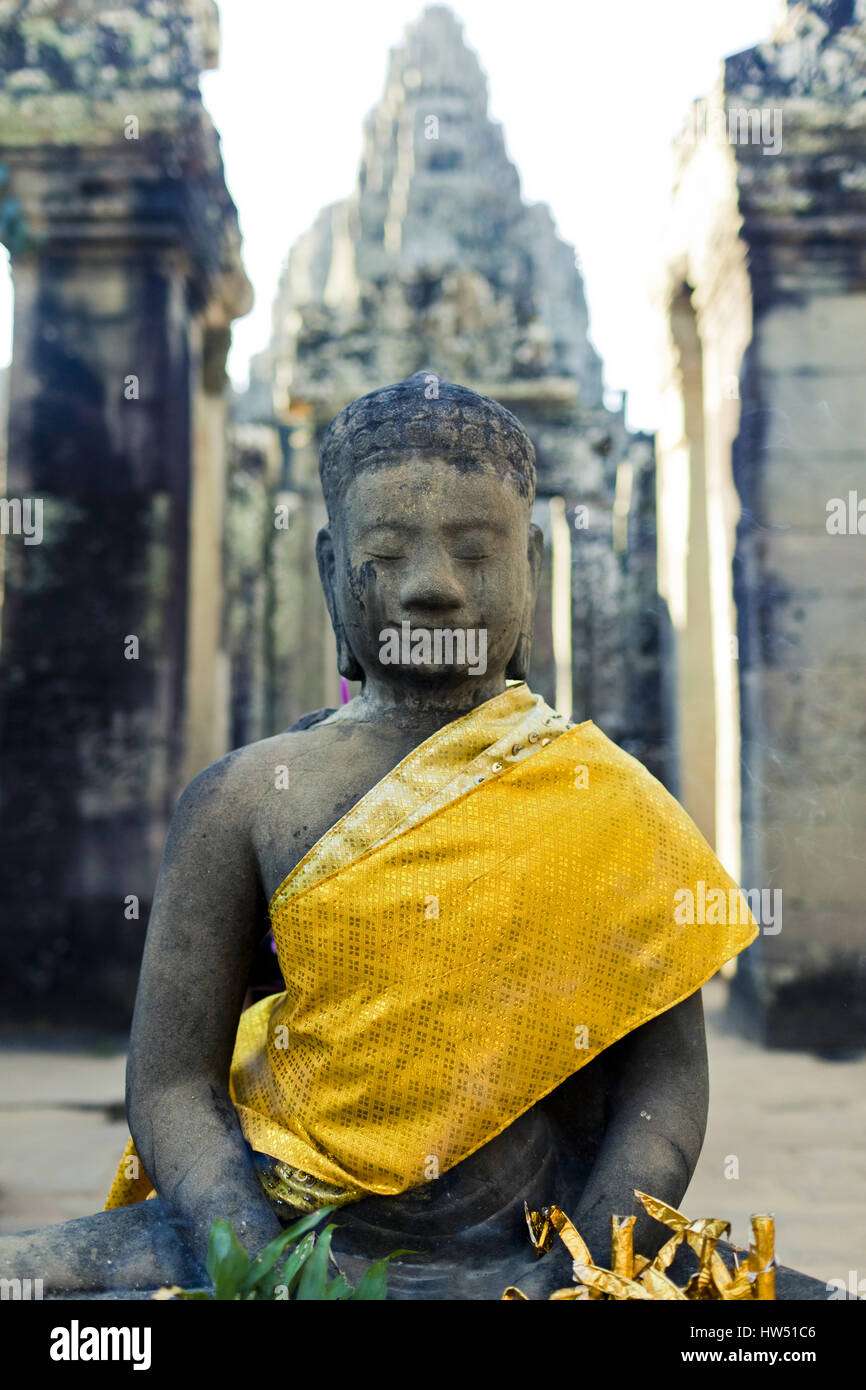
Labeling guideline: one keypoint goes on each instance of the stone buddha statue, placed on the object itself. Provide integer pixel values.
(487, 999)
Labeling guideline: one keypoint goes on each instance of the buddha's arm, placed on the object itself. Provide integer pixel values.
(207, 916)
(657, 1120)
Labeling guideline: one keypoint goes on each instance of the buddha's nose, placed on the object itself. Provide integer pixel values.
(432, 584)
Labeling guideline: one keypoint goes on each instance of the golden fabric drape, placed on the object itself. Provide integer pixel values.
(485, 921)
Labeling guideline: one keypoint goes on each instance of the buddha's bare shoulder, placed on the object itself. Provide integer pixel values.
(268, 802)
(245, 776)
(309, 771)
(301, 778)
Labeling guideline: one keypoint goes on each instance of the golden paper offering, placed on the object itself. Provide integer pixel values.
(622, 1246)
(762, 1260)
(632, 1277)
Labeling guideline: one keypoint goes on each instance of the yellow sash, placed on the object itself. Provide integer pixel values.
(485, 921)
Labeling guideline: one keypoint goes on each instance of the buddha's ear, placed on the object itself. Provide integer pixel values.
(347, 663)
(518, 667)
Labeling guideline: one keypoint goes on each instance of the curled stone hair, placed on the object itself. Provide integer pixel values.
(425, 414)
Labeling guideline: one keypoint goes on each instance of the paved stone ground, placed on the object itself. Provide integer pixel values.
(793, 1123)
(796, 1124)
(62, 1131)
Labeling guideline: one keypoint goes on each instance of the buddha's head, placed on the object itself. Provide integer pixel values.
(429, 489)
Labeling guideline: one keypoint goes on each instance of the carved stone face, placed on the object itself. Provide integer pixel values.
(426, 544)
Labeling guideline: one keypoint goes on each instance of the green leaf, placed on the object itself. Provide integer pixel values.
(227, 1262)
(311, 1285)
(337, 1289)
(304, 1273)
(373, 1284)
(307, 1222)
(290, 1272)
(266, 1261)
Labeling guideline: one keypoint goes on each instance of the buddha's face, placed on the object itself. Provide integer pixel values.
(423, 547)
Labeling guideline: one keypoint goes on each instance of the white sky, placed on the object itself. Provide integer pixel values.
(589, 94)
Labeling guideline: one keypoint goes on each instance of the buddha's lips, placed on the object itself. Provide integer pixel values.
(431, 625)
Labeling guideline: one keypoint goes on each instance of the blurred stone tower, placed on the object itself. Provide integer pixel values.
(436, 262)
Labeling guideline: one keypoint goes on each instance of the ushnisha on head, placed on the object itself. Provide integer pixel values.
(429, 488)
(424, 415)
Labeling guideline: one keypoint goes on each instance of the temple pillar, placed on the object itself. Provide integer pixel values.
(767, 226)
(126, 271)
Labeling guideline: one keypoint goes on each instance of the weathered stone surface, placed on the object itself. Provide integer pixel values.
(253, 477)
(781, 245)
(125, 260)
